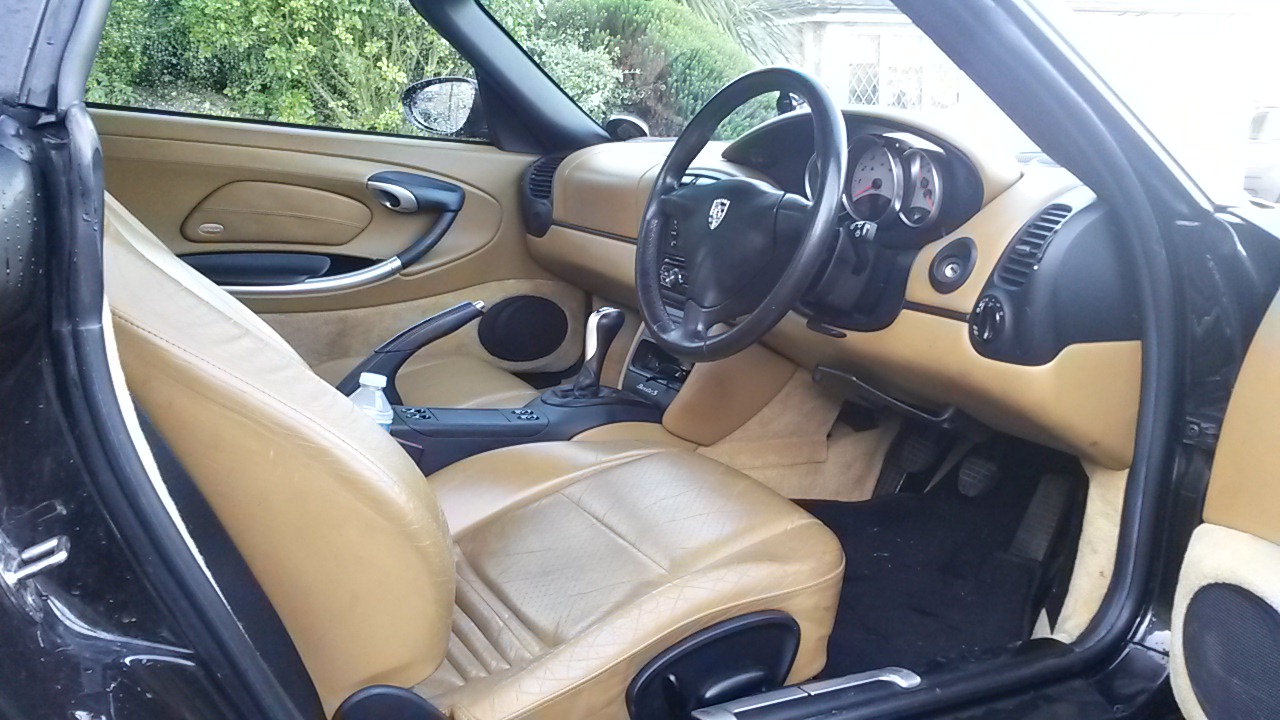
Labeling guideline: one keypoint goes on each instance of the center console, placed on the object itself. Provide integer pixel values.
(437, 437)
(654, 373)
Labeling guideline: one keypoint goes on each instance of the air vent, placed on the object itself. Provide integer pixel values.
(542, 175)
(539, 178)
(1024, 256)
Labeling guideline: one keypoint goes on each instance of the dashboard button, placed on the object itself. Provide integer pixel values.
(987, 321)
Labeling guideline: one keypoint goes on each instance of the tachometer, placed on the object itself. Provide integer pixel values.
(922, 195)
(875, 180)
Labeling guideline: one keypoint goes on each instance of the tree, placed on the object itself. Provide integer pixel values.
(344, 63)
(671, 59)
(759, 27)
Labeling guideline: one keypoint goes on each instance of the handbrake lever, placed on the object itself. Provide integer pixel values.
(392, 354)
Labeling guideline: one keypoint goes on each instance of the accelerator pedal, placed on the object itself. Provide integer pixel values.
(1044, 518)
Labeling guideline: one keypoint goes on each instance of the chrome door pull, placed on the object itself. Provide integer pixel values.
(392, 196)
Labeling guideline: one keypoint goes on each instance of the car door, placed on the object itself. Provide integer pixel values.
(275, 191)
(1226, 627)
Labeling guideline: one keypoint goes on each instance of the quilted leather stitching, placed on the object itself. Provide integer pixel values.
(736, 547)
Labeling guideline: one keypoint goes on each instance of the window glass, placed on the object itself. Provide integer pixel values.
(661, 60)
(1198, 74)
(327, 63)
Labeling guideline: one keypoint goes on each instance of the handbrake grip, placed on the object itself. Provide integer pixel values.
(392, 355)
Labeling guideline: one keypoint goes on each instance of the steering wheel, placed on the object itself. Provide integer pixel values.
(737, 250)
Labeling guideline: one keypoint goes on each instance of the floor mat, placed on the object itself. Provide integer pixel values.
(930, 577)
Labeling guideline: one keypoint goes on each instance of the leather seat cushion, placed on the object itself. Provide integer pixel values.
(336, 522)
(460, 381)
(578, 562)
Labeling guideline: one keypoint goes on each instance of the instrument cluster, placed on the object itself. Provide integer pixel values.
(892, 180)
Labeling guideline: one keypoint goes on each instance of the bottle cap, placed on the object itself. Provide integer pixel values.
(373, 380)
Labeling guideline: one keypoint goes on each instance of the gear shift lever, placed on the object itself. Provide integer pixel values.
(602, 327)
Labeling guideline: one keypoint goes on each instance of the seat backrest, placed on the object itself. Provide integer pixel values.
(338, 524)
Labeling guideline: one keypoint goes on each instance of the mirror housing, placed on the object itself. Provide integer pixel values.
(447, 106)
(789, 102)
(626, 127)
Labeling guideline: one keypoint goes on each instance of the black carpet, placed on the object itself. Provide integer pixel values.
(929, 577)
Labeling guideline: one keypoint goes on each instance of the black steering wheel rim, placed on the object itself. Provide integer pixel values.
(769, 224)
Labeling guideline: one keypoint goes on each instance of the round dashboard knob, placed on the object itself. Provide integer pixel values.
(986, 323)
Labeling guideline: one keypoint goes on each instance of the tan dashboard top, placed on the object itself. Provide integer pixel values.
(1084, 401)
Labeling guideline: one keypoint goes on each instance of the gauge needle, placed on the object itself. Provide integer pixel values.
(863, 191)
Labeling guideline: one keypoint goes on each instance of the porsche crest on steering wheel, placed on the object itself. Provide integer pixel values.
(719, 207)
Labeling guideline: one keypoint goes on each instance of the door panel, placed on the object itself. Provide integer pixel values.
(277, 189)
(268, 213)
(1226, 622)
(333, 341)
(259, 268)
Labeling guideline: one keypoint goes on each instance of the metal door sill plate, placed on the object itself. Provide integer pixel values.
(901, 677)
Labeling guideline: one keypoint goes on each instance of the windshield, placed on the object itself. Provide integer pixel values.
(661, 60)
(1197, 72)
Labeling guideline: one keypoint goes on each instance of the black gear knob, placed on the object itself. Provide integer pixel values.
(602, 328)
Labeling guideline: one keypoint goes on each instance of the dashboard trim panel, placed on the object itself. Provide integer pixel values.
(1084, 400)
(589, 231)
(940, 312)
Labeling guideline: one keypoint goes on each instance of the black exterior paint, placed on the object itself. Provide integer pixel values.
(88, 636)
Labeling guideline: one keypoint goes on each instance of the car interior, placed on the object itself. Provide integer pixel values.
(922, 460)
(681, 425)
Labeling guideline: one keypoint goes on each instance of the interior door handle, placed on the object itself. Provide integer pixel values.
(392, 196)
(409, 192)
(402, 192)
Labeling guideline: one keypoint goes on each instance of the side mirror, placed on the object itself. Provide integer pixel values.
(789, 102)
(448, 106)
(626, 127)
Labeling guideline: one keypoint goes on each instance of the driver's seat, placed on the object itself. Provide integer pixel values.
(530, 582)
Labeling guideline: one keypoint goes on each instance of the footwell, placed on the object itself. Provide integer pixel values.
(939, 576)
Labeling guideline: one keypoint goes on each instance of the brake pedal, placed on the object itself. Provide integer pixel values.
(978, 474)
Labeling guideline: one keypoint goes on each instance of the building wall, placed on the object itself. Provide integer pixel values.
(1194, 76)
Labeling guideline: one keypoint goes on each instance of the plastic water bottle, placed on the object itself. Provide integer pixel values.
(371, 399)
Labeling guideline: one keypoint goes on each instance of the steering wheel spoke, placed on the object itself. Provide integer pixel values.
(792, 218)
(745, 250)
(697, 322)
(676, 203)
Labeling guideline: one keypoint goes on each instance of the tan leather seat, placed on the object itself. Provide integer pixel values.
(460, 381)
(530, 582)
(578, 562)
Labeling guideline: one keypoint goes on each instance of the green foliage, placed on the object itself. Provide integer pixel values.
(344, 63)
(338, 63)
(759, 27)
(672, 59)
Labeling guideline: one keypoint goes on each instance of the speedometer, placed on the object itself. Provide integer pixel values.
(922, 196)
(875, 181)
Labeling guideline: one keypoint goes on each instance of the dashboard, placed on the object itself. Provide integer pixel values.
(914, 187)
(987, 285)
(890, 181)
